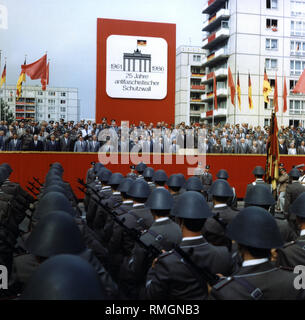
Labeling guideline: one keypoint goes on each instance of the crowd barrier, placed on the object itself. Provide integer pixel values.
(27, 165)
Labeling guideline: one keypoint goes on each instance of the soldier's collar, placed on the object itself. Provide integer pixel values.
(220, 205)
(127, 202)
(254, 262)
(302, 233)
(116, 193)
(192, 238)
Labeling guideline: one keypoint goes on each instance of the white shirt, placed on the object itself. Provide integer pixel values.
(302, 233)
(192, 238)
(162, 219)
(127, 201)
(138, 205)
(254, 262)
(221, 205)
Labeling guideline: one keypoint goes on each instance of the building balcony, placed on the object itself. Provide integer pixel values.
(220, 112)
(215, 20)
(221, 34)
(215, 56)
(221, 93)
(19, 118)
(197, 75)
(196, 100)
(198, 87)
(212, 6)
(221, 73)
(20, 110)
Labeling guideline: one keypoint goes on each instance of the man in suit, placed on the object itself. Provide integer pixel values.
(243, 147)
(81, 145)
(94, 145)
(301, 148)
(14, 144)
(217, 148)
(52, 145)
(228, 147)
(65, 143)
(282, 147)
(2, 141)
(174, 148)
(36, 145)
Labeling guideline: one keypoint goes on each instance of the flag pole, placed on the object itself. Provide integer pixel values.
(24, 96)
(4, 87)
(0, 71)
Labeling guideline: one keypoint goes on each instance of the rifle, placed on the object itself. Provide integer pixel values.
(133, 233)
(33, 185)
(37, 180)
(31, 190)
(202, 273)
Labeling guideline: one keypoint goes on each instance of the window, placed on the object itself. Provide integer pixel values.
(297, 7)
(271, 24)
(271, 4)
(267, 122)
(62, 94)
(10, 99)
(296, 107)
(62, 101)
(296, 67)
(297, 48)
(292, 84)
(195, 107)
(40, 100)
(62, 109)
(51, 101)
(196, 58)
(269, 105)
(51, 109)
(62, 116)
(40, 93)
(271, 63)
(40, 115)
(272, 44)
(51, 93)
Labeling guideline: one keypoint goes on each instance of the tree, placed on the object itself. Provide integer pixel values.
(5, 113)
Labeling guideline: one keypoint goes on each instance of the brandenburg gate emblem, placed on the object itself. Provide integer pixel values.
(129, 61)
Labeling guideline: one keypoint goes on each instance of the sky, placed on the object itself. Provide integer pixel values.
(66, 30)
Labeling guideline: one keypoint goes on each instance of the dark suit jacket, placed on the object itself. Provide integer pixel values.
(51, 147)
(12, 147)
(65, 146)
(39, 146)
(283, 150)
(2, 143)
(94, 149)
(293, 190)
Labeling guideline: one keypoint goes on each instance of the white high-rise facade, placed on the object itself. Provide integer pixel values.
(249, 36)
(189, 74)
(53, 104)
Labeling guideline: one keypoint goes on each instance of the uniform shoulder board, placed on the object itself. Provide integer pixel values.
(222, 283)
(288, 244)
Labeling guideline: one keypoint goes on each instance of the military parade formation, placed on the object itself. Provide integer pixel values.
(147, 236)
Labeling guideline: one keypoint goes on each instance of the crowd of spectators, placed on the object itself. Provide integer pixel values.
(86, 136)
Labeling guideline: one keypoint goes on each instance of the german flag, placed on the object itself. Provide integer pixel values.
(273, 157)
(266, 87)
(3, 77)
(238, 92)
(141, 43)
(21, 79)
(275, 98)
(250, 93)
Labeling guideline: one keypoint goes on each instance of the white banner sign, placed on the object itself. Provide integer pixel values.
(136, 67)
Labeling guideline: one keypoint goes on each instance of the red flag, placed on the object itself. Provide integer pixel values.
(45, 78)
(232, 86)
(300, 86)
(275, 97)
(284, 96)
(215, 93)
(37, 69)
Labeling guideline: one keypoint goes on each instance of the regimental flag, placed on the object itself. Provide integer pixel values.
(275, 98)
(21, 79)
(3, 77)
(298, 46)
(284, 96)
(250, 93)
(142, 43)
(300, 86)
(215, 92)
(273, 156)
(232, 86)
(266, 87)
(238, 92)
